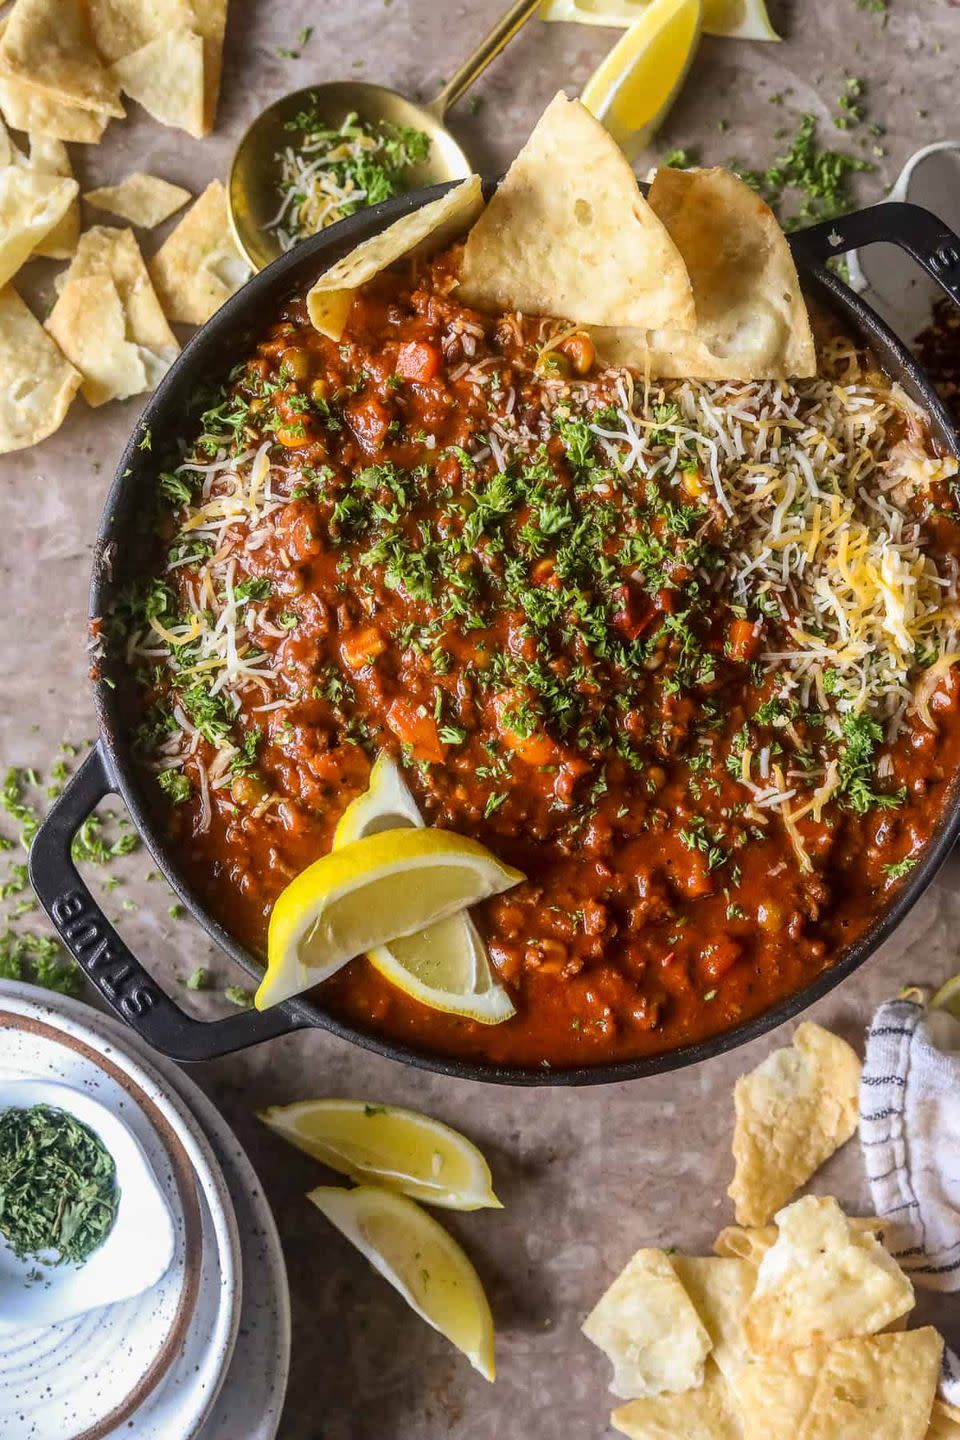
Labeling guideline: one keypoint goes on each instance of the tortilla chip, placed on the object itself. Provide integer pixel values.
(719, 1289)
(742, 1243)
(165, 76)
(31, 206)
(752, 322)
(144, 200)
(89, 325)
(708, 1413)
(422, 232)
(881, 1388)
(569, 234)
(774, 1393)
(745, 283)
(793, 1112)
(822, 1280)
(26, 108)
(944, 1422)
(199, 266)
(37, 383)
(137, 350)
(104, 249)
(48, 44)
(210, 23)
(49, 157)
(122, 26)
(647, 1326)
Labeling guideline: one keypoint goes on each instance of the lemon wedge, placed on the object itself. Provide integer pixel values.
(400, 1149)
(420, 1260)
(386, 804)
(446, 965)
(631, 91)
(948, 997)
(367, 893)
(733, 19)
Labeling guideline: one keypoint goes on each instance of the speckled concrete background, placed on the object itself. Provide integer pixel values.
(586, 1176)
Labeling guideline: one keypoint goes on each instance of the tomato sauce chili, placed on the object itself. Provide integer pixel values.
(679, 652)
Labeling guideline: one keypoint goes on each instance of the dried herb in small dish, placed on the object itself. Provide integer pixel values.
(58, 1185)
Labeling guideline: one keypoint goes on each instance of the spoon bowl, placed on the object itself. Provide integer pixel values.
(253, 190)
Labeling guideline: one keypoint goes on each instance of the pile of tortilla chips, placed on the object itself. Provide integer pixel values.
(789, 1331)
(63, 66)
(694, 281)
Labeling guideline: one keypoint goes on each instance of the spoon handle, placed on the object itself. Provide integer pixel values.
(488, 49)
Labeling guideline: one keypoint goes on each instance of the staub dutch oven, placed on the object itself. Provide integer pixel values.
(110, 767)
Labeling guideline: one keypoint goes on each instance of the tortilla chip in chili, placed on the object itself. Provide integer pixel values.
(422, 232)
(752, 321)
(569, 234)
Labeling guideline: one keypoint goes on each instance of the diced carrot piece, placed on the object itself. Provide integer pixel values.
(413, 724)
(361, 647)
(743, 639)
(535, 748)
(418, 360)
(720, 957)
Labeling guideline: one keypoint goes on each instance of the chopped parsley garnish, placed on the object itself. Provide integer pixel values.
(861, 736)
(175, 785)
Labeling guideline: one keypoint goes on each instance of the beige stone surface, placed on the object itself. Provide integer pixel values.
(588, 1176)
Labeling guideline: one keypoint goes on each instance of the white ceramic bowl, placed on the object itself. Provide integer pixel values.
(135, 1254)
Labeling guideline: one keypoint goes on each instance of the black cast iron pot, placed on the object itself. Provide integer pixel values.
(110, 767)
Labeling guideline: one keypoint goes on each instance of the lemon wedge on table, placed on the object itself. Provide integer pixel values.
(731, 19)
(631, 91)
(385, 1144)
(368, 893)
(445, 965)
(420, 1260)
(948, 997)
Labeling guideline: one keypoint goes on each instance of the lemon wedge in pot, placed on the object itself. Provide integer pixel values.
(369, 892)
(386, 804)
(632, 90)
(387, 1145)
(732, 19)
(444, 966)
(420, 1260)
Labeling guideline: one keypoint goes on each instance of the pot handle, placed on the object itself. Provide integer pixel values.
(102, 955)
(916, 230)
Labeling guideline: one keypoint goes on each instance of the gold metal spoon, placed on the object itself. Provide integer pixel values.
(252, 191)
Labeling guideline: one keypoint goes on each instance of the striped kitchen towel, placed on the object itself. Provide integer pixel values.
(910, 1134)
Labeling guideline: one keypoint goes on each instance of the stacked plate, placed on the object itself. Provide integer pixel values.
(204, 1353)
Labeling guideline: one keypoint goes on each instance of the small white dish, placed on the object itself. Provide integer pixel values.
(88, 1377)
(136, 1253)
